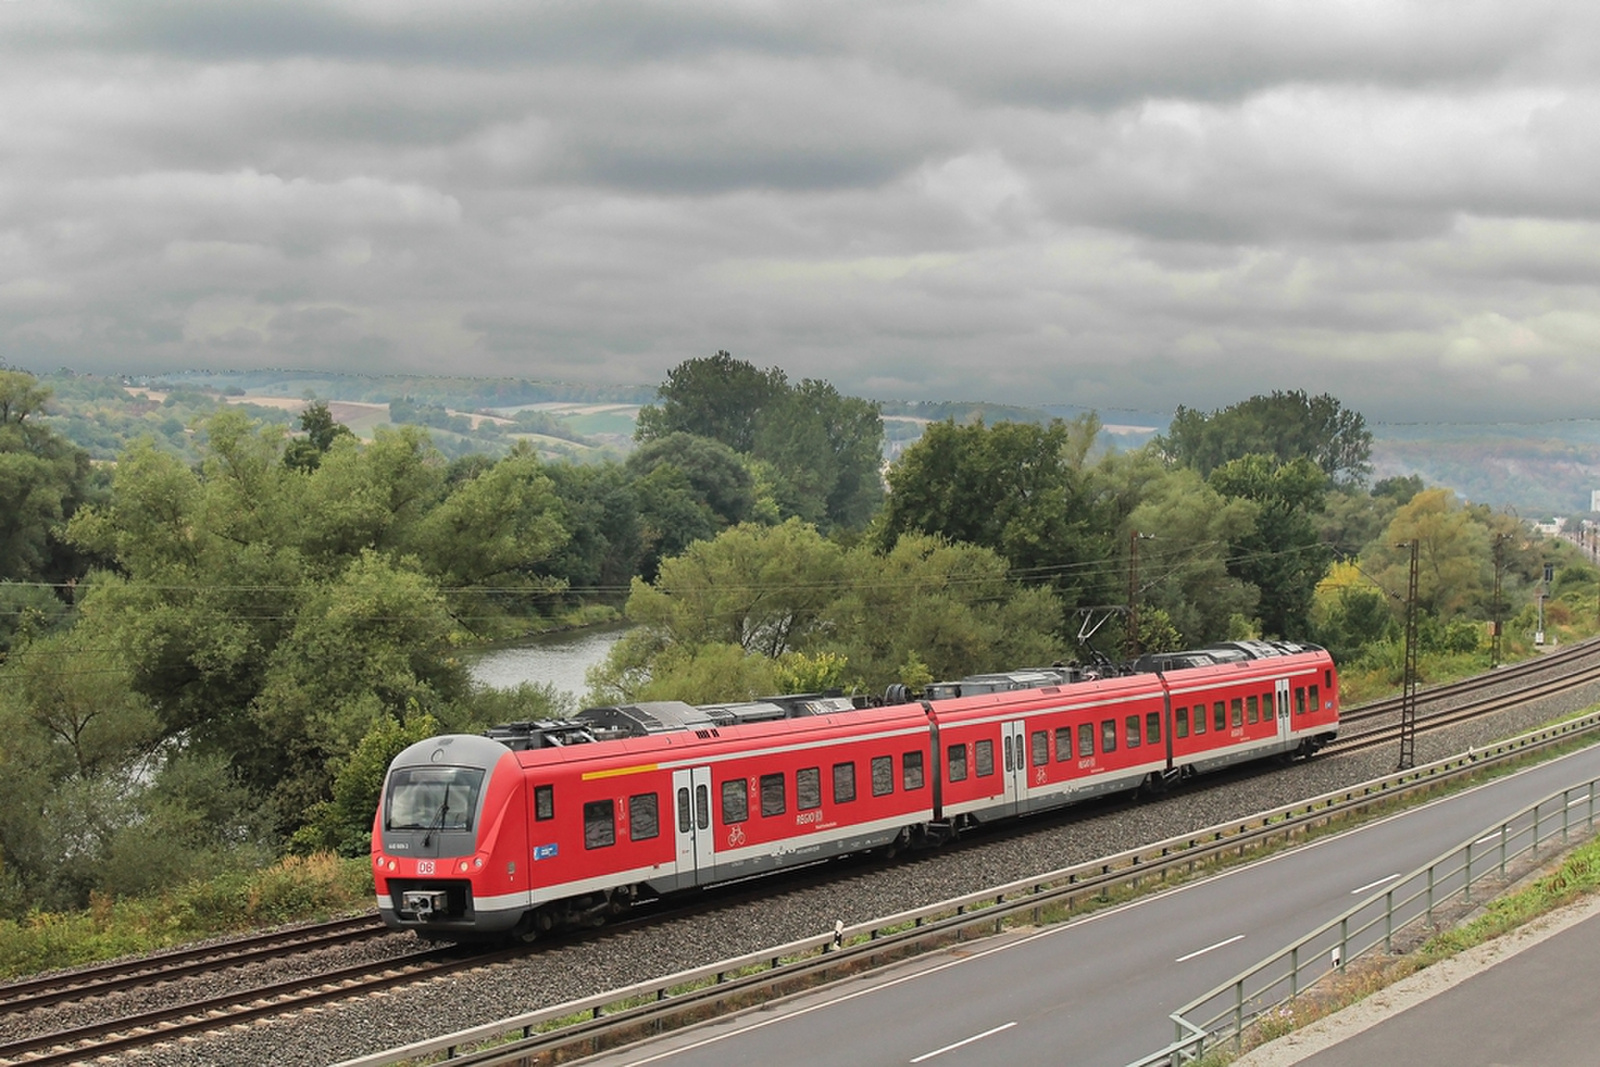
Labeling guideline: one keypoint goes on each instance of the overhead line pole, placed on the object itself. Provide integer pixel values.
(1408, 700)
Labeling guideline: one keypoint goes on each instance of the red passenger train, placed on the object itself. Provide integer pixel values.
(552, 824)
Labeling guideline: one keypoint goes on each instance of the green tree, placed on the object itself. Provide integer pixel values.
(1282, 556)
(1015, 488)
(826, 450)
(763, 589)
(321, 431)
(1184, 574)
(719, 397)
(44, 478)
(1454, 555)
(947, 609)
(1284, 426)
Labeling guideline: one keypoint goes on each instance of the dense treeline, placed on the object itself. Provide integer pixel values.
(209, 662)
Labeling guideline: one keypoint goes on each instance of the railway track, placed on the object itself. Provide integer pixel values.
(107, 978)
(1376, 724)
(1438, 707)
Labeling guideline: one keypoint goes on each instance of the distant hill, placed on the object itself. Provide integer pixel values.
(1542, 469)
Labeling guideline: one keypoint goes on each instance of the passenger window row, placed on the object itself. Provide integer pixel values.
(599, 816)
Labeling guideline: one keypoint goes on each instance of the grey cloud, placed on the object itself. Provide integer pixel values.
(1130, 205)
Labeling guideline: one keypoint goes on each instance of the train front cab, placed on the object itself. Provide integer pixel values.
(448, 840)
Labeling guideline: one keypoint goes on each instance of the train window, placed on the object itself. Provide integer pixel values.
(1315, 699)
(1133, 731)
(808, 788)
(1180, 722)
(882, 776)
(1063, 743)
(911, 770)
(684, 817)
(1152, 727)
(599, 824)
(1238, 711)
(957, 755)
(544, 802)
(1299, 701)
(1085, 739)
(644, 817)
(1009, 765)
(1219, 715)
(735, 801)
(1266, 706)
(1041, 747)
(1199, 719)
(773, 801)
(1108, 735)
(432, 798)
(702, 807)
(1327, 678)
(844, 783)
(1252, 707)
(983, 756)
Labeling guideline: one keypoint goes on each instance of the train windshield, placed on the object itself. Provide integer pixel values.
(432, 798)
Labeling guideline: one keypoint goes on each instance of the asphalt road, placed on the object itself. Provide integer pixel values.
(1535, 1009)
(1097, 992)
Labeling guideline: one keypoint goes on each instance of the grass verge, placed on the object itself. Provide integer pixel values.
(295, 888)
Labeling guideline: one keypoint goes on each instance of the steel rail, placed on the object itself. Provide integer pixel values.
(98, 980)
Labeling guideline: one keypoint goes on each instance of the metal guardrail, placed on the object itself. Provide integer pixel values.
(854, 946)
(1220, 1018)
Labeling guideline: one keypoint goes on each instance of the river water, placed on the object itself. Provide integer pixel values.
(560, 659)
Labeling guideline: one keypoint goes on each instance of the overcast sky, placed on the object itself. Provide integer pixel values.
(1121, 205)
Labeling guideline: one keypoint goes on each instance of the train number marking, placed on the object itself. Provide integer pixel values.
(424, 866)
(809, 817)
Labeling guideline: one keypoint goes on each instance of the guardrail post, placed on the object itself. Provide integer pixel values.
(1430, 895)
(1502, 850)
(1388, 921)
(1238, 1016)
(1566, 813)
(1536, 808)
(1466, 890)
(1294, 972)
(1344, 942)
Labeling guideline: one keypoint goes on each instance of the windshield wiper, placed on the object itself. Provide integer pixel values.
(438, 821)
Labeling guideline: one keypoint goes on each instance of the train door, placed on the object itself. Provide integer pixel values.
(691, 798)
(1285, 723)
(1014, 741)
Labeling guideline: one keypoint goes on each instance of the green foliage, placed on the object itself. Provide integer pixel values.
(721, 398)
(1354, 619)
(1284, 426)
(316, 421)
(726, 620)
(820, 450)
(343, 823)
(296, 888)
(43, 480)
(798, 672)
(1282, 555)
(1016, 489)
(764, 589)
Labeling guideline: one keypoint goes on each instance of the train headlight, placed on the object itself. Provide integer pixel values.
(392, 865)
(478, 862)
(462, 866)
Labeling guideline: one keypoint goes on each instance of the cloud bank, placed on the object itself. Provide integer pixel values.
(1126, 205)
